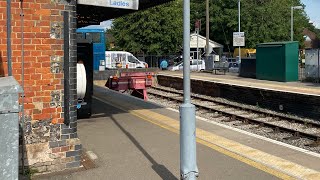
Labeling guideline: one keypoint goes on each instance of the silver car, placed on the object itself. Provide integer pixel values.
(195, 65)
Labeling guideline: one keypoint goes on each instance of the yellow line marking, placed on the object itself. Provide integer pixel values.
(273, 165)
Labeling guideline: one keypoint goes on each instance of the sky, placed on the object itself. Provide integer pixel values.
(312, 10)
(106, 24)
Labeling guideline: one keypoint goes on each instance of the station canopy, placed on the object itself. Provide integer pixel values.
(93, 15)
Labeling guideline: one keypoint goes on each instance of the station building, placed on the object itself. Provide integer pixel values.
(44, 53)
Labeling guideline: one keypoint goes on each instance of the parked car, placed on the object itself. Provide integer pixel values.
(233, 67)
(193, 65)
(175, 60)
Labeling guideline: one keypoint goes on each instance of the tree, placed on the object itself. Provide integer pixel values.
(261, 20)
(157, 30)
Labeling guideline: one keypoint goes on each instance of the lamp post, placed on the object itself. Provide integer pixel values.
(207, 31)
(197, 25)
(188, 160)
(292, 8)
(239, 14)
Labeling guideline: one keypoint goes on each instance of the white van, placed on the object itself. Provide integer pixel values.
(122, 59)
(193, 65)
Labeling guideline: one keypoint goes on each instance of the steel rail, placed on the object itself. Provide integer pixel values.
(234, 117)
(266, 114)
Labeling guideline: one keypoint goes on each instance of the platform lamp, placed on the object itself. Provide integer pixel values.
(239, 20)
(292, 8)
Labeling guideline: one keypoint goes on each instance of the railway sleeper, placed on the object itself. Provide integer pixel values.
(228, 120)
(295, 136)
(261, 125)
(274, 119)
(242, 113)
(258, 126)
(276, 130)
(216, 115)
(314, 143)
(244, 122)
(308, 125)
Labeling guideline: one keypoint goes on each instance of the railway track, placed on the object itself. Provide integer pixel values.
(298, 128)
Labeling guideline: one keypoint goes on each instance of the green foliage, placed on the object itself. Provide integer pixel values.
(107, 42)
(261, 20)
(159, 30)
(29, 172)
(155, 31)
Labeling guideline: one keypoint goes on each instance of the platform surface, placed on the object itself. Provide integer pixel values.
(292, 87)
(138, 140)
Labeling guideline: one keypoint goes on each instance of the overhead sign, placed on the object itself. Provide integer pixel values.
(122, 4)
(238, 39)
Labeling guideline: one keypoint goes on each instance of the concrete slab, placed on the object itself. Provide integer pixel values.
(130, 148)
(285, 152)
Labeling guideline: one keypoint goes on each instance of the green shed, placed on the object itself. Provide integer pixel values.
(278, 61)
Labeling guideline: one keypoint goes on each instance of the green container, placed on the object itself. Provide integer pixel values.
(278, 61)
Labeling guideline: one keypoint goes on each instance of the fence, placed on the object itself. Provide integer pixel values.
(302, 76)
(311, 70)
(154, 60)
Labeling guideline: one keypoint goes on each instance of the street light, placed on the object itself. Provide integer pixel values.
(239, 16)
(207, 31)
(188, 150)
(292, 8)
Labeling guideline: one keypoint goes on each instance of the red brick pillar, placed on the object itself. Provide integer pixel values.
(49, 143)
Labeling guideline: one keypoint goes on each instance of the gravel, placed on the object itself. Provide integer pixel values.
(246, 106)
(253, 128)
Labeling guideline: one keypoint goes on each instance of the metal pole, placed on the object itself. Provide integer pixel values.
(197, 49)
(239, 32)
(188, 165)
(291, 23)
(207, 30)
(9, 38)
(318, 65)
(22, 84)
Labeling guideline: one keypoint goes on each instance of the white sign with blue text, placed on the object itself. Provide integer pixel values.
(122, 4)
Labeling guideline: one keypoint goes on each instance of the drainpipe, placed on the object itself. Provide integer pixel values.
(9, 38)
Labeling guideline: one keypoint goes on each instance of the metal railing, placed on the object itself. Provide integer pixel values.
(155, 60)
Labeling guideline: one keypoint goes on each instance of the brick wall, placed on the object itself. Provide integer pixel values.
(50, 143)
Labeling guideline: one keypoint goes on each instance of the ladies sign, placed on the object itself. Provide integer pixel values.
(123, 4)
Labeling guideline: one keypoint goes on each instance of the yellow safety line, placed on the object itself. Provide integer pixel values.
(276, 166)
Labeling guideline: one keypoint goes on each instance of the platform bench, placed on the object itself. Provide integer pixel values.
(224, 66)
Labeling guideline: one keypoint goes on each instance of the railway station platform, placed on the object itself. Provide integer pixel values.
(295, 98)
(134, 139)
(232, 79)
